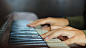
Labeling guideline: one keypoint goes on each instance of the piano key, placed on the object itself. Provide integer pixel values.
(10, 46)
(16, 40)
(22, 31)
(24, 34)
(31, 45)
(20, 27)
(23, 28)
(53, 41)
(27, 37)
(28, 42)
(23, 39)
(57, 45)
(40, 31)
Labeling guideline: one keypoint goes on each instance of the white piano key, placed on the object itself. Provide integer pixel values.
(53, 41)
(41, 31)
(57, 45)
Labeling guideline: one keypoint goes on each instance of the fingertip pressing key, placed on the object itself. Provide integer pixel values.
(31, 25)
(47, 38)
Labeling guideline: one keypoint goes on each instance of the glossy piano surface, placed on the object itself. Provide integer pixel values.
(22, 35)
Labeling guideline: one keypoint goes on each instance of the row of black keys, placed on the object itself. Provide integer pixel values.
(22, 35)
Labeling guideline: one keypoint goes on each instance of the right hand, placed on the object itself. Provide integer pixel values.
(69, 35)
(51, 21)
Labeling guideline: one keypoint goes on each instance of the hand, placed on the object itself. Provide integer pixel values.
(74, 35)
(51, 21)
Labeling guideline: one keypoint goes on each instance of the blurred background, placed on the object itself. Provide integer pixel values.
(53, 8)
(48, 8)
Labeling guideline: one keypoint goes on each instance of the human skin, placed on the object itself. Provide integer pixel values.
(60, 29)
(51, 21)
(70, 35)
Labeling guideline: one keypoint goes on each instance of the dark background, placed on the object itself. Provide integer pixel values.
(44, 8)
(53, 8)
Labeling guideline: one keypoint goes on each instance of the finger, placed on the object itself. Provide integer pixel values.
(69, 28)
(57, 27)
(53, 35)
(39, 22)
(58, 33)
(48, 33)
(69, 41)
(33, 22)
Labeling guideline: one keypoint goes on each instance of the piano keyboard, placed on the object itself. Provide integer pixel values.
(23, 36)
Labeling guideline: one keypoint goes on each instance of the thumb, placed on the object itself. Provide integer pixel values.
(56, 27)
(69, 41)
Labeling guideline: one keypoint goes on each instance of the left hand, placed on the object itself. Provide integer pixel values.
(74, 35)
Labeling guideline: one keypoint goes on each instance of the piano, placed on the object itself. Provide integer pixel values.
(15, 34)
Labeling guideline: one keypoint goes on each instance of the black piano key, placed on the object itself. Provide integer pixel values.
(23, 28)
(27, 42)
(30, 45)
(19, 27)
(31, 37)
(32, 31)
(24, 34)
(33, 44)
(24, 39)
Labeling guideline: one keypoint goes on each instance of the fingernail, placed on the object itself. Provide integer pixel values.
(47, 38)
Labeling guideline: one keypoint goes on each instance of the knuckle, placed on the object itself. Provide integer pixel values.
(61, 30)
(48, 17)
